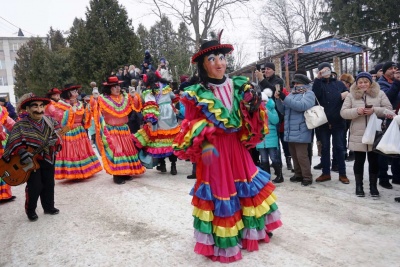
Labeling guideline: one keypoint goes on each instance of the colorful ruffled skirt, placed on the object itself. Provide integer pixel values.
(234, 203)
(157, 143)
(5, 190)
(76, 160)
(117, 150)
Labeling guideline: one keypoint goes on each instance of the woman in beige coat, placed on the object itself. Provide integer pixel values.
(364, 99)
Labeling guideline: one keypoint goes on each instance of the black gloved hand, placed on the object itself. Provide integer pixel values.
(282, 95)
(26, 157)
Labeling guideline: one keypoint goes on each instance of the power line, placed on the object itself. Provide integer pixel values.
(375, 31)
(15, 25)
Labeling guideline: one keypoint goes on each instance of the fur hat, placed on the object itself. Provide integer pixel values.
(301, 79)
(347, 78)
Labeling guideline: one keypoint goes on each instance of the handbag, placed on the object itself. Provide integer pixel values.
(315, 116)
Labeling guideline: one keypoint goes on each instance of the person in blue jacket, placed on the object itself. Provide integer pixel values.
(296, 133)
(269, 146)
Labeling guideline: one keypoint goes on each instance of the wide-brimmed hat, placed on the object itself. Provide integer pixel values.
(53, 91)
(212, 45)
(71, 86)
(33, 98)
(112, 80)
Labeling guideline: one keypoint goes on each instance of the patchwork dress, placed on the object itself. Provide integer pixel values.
(160, 111)
(234, 203)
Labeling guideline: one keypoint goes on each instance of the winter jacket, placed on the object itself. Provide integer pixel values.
(384, 83)
(328, 92)
(393, 93)
(358, 98)
(271, 82)
(271, 139)
(295, 130)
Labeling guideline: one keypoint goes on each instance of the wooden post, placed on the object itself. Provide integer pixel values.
(287, 71)
(366, 60)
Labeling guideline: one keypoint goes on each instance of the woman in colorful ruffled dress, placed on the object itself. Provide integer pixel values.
(234, 203)
(161, 126)
(113, 137)
(6, 122)
(76, 160)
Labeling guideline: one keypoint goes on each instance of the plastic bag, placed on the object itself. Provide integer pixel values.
(374, 124)
(389, 143)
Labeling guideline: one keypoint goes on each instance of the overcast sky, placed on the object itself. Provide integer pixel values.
(35, 17)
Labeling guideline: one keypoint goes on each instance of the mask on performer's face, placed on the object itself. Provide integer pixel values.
(36, 110)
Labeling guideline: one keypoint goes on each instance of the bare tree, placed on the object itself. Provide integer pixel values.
(278, 24)
(289, 23)
(198, 14)
(309, 14)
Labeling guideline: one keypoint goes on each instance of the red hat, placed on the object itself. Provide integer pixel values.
(33, 98)
(71, 86)
(213, 45)
(53, 91)
(112, 80)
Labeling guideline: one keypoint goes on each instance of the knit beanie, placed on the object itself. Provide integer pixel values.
(364, 75)
(372, 72)
(388, 65)
(378, 67)
(269, 65)
(324, 65)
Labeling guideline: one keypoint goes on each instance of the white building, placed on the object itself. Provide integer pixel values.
(8, 52)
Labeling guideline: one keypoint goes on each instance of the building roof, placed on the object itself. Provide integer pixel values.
(310, 54)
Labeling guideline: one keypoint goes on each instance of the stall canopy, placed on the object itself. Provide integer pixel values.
(309, 55)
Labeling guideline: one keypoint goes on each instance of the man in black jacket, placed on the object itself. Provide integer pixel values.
(330, 93)
(267, 79)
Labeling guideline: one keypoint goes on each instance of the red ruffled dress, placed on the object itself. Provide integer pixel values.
(76, 160)
(7, 122)
(113, 137)
(234, 203)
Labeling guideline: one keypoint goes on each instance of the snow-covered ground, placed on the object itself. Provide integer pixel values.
(148, 222)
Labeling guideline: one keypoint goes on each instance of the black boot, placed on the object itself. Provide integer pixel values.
(118, 179)
(359, 185)
(289, 163)
(278, 171)
(161, 167)
(373, 179)
(173, 168)
(265, 167)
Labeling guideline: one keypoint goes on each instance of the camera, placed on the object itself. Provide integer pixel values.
(260, 66)
(326, 73)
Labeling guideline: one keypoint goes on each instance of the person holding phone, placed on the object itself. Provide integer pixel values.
(365, 98)
(330, 94)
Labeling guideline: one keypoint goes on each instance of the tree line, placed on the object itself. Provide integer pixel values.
(106, 39)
